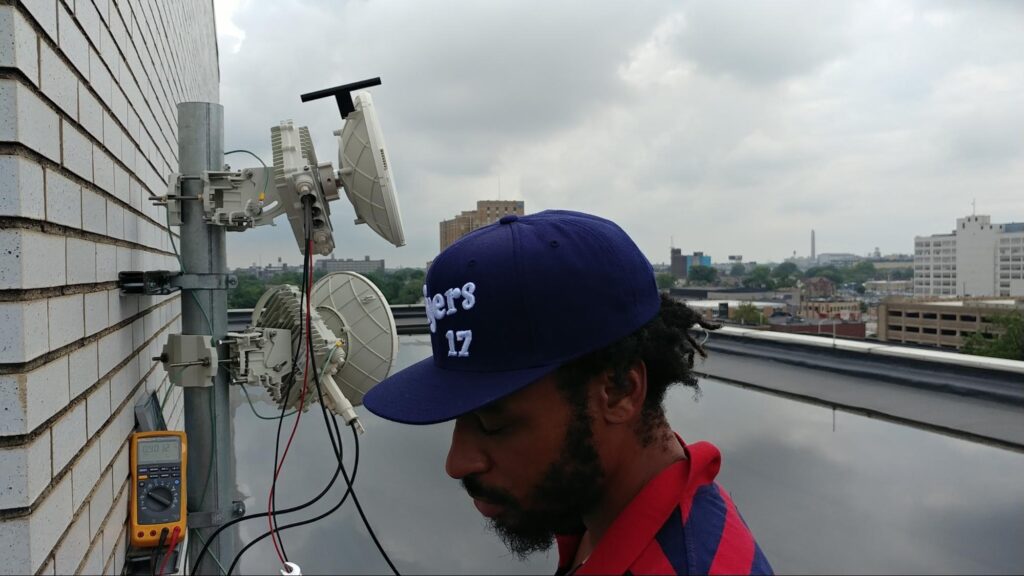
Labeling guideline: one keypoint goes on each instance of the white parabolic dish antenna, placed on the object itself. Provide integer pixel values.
(350, 304)
(355, 342)
(365, 172)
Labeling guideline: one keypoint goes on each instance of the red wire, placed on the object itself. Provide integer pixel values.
(170, 549)
(298, 415)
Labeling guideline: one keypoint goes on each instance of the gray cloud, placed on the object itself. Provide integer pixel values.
(734, 127)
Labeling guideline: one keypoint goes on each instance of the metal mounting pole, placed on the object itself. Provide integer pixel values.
(211, 469)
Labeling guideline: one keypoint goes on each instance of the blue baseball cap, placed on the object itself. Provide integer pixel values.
(510, 303)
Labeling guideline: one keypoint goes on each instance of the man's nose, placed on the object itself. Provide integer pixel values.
(465, 456)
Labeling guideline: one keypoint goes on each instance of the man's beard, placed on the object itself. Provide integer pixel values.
(571, 487)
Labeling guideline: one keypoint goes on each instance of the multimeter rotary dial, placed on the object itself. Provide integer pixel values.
(159, 498)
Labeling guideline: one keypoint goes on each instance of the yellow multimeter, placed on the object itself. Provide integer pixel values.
(158, 461)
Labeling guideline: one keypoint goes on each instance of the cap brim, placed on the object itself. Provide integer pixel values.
(426, 394)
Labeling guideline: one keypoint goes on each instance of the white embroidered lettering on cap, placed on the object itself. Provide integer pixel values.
(429, 310)
(441, 305)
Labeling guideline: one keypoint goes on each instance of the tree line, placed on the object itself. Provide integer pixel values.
(787, 274)
(402, 286)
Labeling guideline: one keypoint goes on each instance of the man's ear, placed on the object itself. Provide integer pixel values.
(622, 402)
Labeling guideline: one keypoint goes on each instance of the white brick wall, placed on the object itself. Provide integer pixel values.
(21, 188)
(88, 118)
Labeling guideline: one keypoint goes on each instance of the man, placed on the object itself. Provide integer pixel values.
(552, 351)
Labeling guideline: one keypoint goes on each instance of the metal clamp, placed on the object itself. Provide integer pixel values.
(204, 281)
(215, 518)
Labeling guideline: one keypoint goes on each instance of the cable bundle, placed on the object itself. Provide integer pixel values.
(333, 431)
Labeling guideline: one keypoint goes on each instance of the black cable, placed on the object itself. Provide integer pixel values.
(326, 489)
(280, 423)
(303, 334)
(155, 558)
(336, 447)
(328, 419)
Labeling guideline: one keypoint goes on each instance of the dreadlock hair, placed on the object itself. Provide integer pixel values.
(667, 349)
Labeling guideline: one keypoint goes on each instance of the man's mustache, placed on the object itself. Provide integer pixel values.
(476, 490)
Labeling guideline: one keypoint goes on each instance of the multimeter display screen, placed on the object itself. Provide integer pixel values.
(159, 450)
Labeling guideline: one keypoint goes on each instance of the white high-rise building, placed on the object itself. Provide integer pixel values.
(978, 258)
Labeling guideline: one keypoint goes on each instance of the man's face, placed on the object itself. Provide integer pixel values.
(530, 464)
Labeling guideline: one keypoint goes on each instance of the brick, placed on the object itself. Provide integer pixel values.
(57, 80)
(93, 563)
(25, 118)
(84, 369)
(112, 137)
(114, 528)
(94, 212)
(100, 79)
(21, 254)
(84, 474)
(68, 436)
(113, 348)
(108, 50)
(106, 263)
(95, 312)
(26, 333)
(45, 14)
(103, 8)
(29, 399)
(97, 408)
(18, 43)
(21, 188)
(90, 114)
(120, 467)
(24, 472)
(100, 503)
(134, 123)
(120, 549)
(131, 230)
(77, 151)
(103, 169)
(121, 384)
(63, 200)
(119, 105)
(71, 550)
(121, 186)
(115, 434)
(72, 42)
(124, 256)
(120, 306)
(28, 541)
(67, 320)
(115, 221)
(87, 16)
(81, 264)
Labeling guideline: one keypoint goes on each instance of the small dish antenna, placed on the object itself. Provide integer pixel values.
(365, 170)
(355, 343)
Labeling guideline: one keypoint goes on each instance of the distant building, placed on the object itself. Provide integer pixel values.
(978, 258)
(487, 212)
(941, 323)
(830, 309)
(681, 264)
(890, 287)
(268, 271)
(828, 328)
(817, 287)
(838, 259)
(364, 266)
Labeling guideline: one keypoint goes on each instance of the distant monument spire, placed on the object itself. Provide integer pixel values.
(813, 253)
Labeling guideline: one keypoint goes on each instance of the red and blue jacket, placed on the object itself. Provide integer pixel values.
(681, 522)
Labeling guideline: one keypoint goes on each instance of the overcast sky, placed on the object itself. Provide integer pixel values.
(730, 127)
